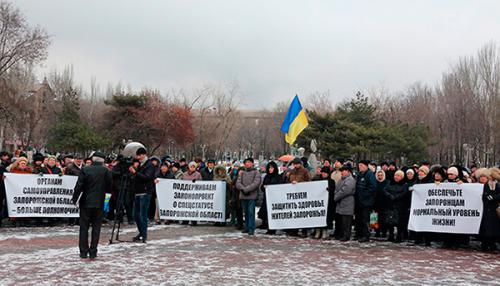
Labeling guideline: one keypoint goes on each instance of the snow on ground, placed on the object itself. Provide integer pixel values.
(208, 255)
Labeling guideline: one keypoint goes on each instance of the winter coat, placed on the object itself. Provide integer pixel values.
(144, 178)
(178, 175)
(51, 170)
(248, 183)
(93, 183)
(16, 170)
(73, 170)
(381, 201)
(195, 176)
(269, 179)
(365, 189)
(206, 174)
(344, 195)
(167, 175)
(399, 197)
(223, 176)
(490, 223)
(299, 175)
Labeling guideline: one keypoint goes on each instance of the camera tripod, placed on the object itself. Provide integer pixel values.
(120, 207)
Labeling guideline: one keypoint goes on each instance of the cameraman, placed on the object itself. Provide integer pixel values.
(144, 177)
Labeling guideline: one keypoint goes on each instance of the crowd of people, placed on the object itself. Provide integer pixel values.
(373, 198)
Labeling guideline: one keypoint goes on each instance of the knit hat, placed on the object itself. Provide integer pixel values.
(192, 163)
(296, 160)
(410, 171)
(424, 169)
(401, 173)
(453, 171)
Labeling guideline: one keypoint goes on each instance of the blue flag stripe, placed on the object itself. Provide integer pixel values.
(291, 114)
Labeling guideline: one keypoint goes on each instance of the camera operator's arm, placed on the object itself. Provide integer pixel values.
(146, 174)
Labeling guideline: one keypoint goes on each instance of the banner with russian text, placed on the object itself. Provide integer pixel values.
(198, 201)
(446, 208)
(301, 205)
(40, 196)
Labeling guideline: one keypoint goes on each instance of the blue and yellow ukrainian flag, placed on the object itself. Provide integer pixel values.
(295, 121)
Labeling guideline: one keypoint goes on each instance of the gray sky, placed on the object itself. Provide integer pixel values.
(274, 49)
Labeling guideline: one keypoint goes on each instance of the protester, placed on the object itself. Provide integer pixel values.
(382, 203)
(191, 175)
(365, 199)
(489, 231)
(344, 198)
(248, 183)
(330, 213)
(399, 210)
(220, 174)
(272, 177)
(207, 173)
(51, 167)
(297, 174)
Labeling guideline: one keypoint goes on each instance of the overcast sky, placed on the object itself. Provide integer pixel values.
(274, 49)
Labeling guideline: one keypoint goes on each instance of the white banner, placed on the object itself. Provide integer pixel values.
(447, 207)
(40, 196)
(301, 205)
(198, 201)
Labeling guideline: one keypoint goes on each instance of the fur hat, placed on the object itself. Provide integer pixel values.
(22, 159)
(401, 173)
(495, 173)
(483, 172)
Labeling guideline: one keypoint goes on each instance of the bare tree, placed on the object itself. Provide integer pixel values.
(19, 42)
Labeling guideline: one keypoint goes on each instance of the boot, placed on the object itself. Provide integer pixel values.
(317, 233)
(324, 234)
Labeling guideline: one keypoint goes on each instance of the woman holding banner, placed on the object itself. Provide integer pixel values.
(272, 177)
(489, 231)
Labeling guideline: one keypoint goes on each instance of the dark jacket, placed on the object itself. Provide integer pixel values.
(381, 201)
(145, 178)
(490, 223)
(73, 170)
(51, 170)
(167, 175)
(365, 189)
(93, 183)
(206, 174)
(398, 196)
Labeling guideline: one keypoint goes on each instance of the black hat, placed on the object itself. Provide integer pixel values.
(325, 170)
(211, 161)
(364, 162)
(68, 156)
(38, 157)
(177, 165)
(248, 160)
(99, 154)
(346, 167)
(296, 160)
(79, 156)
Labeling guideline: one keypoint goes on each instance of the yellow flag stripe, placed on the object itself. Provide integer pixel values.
(299, 123)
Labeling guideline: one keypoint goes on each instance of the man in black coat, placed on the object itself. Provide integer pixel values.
(90, 190)
(144, 181)
(365, 199)
(207, 173)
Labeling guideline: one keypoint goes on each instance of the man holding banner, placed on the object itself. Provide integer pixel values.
(90, 190)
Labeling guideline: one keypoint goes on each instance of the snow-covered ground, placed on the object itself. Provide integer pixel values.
(208, 255)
